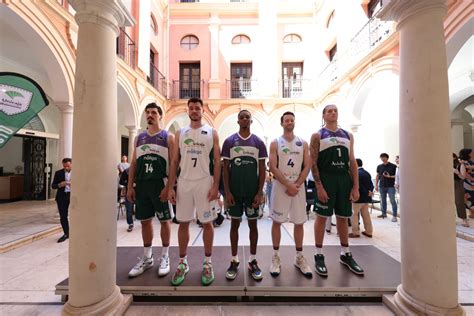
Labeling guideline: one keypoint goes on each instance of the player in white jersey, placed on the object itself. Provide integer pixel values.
(198, 155)
(290, 164)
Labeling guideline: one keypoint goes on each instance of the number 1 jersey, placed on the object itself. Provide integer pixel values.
(334, 151)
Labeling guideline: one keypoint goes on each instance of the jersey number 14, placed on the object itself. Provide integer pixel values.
(148, 168)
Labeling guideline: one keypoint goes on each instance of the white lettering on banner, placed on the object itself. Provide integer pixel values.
(14, 100)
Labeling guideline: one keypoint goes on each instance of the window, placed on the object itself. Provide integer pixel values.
(330, 20)
(189, 42)
(153, 25)
(241, 39)
(292, 80)
(189, 80)
(292, 38)
(332, 52)
(240, 82)
(373, 7)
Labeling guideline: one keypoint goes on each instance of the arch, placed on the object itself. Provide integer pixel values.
(458, 39)
(241, 39)
(358, 91)
(460, 75)
(189, 42)
(125, 88)
(55, 55)
(292, 38)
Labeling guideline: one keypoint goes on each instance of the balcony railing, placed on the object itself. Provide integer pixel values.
(126, 48)
(296, 88)
(370, 36)
(241, 88)
(157, 80)
(185, 89)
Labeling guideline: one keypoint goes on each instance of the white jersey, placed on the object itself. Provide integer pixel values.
(196, 149)
(290, 157)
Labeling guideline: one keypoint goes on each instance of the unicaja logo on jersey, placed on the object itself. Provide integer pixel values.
(191, 142)
(285, 150)
(238, 149)
(145, 147)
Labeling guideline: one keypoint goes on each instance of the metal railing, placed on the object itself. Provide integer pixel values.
(370, 36)
(240, 88)
(185, 89)
(126, 48)
(296, 88)
(157, 80)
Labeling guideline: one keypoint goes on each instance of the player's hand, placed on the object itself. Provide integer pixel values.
(164, 195)
(229, 198)
(131, 195)
(172, 196)
(257, 200)
(354, 195)
(213, 194)
(292, 189)
(376, 188)
(322, 194)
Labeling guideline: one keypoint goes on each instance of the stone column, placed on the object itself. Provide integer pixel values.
(65, 137)
(132, 133)
(428, 240)
(93, 210)
(214, 82)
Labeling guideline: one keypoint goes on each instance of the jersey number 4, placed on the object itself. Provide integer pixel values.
(290, 163)
(148, 168)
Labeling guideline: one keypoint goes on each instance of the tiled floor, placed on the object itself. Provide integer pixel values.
(29, 274)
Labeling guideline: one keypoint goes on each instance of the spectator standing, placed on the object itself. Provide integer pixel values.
(385, 182)
(366, 188)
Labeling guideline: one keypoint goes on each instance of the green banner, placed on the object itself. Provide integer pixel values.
(21, 98)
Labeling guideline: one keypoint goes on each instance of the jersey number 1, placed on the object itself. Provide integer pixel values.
(339, 151)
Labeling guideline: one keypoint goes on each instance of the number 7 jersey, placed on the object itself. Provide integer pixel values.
(196, 150)
(152, 156)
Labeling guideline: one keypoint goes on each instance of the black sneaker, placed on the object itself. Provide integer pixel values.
(63, 238)
(320, 265)
(349, 261)
(257, 274)
(231, 273)
(382, 216)
(130, 228)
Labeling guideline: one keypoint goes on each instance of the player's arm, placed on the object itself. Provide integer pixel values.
(306, 165)
(353, 170)
(314, 154)
(257, 200)
(132, 173)
(228, 195)
(175, 157)
(169, 184)
(214, 192)
(377, 177)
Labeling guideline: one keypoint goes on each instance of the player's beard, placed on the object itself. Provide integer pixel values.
(195, 118)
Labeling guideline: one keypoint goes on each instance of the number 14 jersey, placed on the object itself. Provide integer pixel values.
(152, 156)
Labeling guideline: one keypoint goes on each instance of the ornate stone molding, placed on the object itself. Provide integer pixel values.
(400, 10)
(110, 13)
(115, 304)
(214, 107)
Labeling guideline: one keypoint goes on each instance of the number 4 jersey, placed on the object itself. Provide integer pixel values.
(290, 157)
(152, 156)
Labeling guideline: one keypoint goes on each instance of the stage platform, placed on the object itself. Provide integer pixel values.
(382, 276)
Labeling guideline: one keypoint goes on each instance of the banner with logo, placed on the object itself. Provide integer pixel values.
(21, 98)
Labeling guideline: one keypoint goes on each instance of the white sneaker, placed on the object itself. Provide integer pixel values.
(300, 263)
(275, 267)
(164, 268)
(394, 219)
(142, 265)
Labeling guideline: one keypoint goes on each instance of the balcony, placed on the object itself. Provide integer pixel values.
(185, 89)
(157, 80)
(126, 48)
(370, 36)
(296, 88)
(240, 88)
